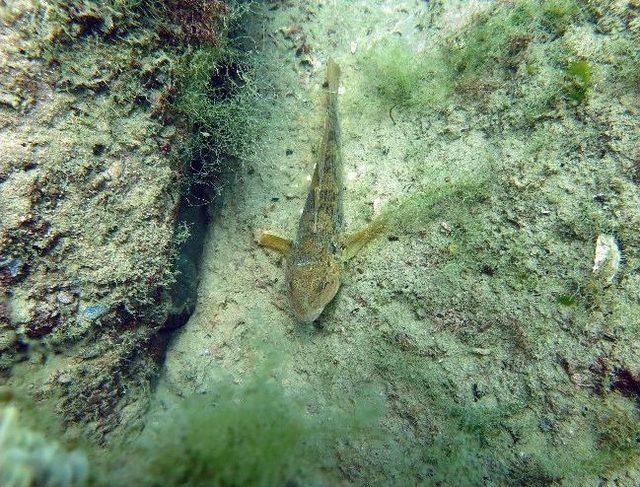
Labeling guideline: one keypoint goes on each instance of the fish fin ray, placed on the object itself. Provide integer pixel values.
(353, 243)
(272, 241)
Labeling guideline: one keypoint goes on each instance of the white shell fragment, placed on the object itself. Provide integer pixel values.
(607, 258)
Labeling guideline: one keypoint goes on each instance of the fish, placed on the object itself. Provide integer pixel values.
(315, 257)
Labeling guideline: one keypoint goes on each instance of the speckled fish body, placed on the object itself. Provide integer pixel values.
(314, 263)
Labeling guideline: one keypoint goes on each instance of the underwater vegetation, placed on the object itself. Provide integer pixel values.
(247, 435)
(498, 38)
(403, 78)
(215, 99)
(539, 43)
(252, 433)
(29, 459)
(442, 196)
(513, 205)
(504, 357)
(580, 71)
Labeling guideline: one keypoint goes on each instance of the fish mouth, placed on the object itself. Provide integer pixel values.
(307, 316)
(306, 312)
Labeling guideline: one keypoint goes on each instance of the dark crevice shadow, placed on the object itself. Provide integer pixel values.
(212, 180)
(183, 294)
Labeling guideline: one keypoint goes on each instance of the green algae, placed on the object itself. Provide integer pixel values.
(581, 82)
(405, 79)
(247, 435)
(497, 38)
(533, 39)
(215, 99)
(28, 458)
(247, 431)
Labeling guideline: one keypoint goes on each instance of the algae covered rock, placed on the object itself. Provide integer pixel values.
(96, 156)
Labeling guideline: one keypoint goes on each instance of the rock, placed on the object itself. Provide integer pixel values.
(8, 339)
(310, 62)
(289, 32)
(606, 261)
(65, 297)
(11, 100)
(20, 308)
(91, 353)
(65, 378)
(11, 266)
(114, 171)
(94, 312)
(481, 351)
(303, 48)
(98, 181)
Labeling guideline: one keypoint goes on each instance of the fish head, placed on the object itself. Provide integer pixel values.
(311, 286)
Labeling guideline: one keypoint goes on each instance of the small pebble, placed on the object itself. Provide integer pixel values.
(606, 261)
(12, 265)
(378, 202)
(65, 297)
(10, 100)
(115, 170)
(94, 312)
(482, 351)
(8, 339)
(65, 378)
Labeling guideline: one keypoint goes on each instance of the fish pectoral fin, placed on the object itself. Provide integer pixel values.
(273, 241)
(352, 244)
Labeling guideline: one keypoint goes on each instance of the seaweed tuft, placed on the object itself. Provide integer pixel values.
(581, 80)
(251, 434)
